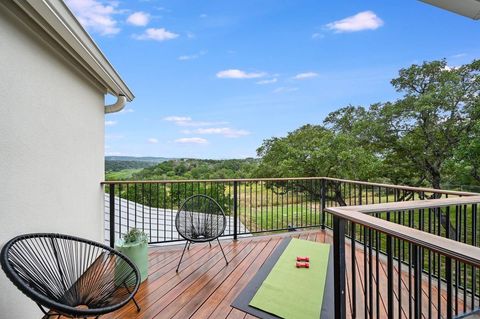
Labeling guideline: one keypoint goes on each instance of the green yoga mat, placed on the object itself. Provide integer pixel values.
(290, 292)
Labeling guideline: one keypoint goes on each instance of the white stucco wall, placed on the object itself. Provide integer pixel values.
(51, 150)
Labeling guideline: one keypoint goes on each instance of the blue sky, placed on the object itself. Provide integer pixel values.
(213, 79)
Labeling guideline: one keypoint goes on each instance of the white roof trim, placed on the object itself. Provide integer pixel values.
(59, 22)
(467, 8)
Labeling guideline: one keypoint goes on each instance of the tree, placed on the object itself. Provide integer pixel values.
(439, 108)
(314, 150)
(464, 167)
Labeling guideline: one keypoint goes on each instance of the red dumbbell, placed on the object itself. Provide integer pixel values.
(302, 265)
(306, 258)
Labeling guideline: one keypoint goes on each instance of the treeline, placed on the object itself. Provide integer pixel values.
(119, 165)
(199, 169)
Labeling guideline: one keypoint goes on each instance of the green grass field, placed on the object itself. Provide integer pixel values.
(124, 174)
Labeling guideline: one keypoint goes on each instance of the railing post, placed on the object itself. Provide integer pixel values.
(417, 280)
(390, 298)
(448, 279)
(448, 273)
(235, 209)
(112, 215)
(360, 195)
(323, 199)
(339, 266)
(353, 239)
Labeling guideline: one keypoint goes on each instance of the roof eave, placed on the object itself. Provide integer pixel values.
(467, 8)
(60, 23)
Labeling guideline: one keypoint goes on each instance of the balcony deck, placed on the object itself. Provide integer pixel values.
(205, 287)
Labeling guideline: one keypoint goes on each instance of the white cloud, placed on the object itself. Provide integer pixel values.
(187, 57)
(450, 67)
(318, 35)
(156, 34)
(163, 9)
(366, 20)
(152, 140)
(96, 16)
(187, 121)
(203, 16)
(271, 81)
(459, 55)
(239, 74)
(139, 18)
(285, 89)
(192, 56)
(191, 140)
(224, 131)
(113, 137)
(176, 119)
(306, 75)
(110, 123)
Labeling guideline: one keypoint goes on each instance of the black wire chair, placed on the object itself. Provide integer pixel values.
(71, 276)
(200, 219)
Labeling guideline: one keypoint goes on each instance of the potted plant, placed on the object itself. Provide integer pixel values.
(134, 245)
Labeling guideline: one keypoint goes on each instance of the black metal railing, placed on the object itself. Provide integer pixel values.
(261, 206)
(252, 206)
(414, 270)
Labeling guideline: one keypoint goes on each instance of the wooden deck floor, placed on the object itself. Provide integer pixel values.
(205, 287)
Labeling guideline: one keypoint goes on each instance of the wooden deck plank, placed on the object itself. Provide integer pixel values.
(222, 279)
(155, 288)
(186, 278)
(245, 278)
(205, 287)
(235, 314)
(187, 300)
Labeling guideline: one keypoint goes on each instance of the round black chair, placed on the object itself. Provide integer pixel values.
(200, 219)
(70, 276)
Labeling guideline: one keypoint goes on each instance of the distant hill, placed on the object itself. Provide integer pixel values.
(198, 169)
(159, 168)
(137, 159)
(120, 163)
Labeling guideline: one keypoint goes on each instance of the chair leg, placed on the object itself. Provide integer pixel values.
(184, 248)
(189, 243)
(133, 298)
(222, 251)
(210, 243)
(136, 305)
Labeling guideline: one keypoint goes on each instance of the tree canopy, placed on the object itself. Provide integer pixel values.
(428, 136)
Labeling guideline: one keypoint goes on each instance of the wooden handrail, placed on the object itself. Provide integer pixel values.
(402, 187)
(414, 204)
(215, 180)
(459, 251)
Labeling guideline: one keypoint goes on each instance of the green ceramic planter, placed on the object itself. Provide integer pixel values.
(138, 254)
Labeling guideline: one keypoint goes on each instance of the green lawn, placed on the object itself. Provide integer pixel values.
(124, 174)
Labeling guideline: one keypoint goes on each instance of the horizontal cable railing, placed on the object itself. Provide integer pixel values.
(420, 258)
(252, 206)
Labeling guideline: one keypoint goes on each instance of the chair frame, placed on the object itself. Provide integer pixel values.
(56, 308)
(190, 241)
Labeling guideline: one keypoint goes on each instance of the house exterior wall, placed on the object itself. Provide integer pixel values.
(51, 149)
